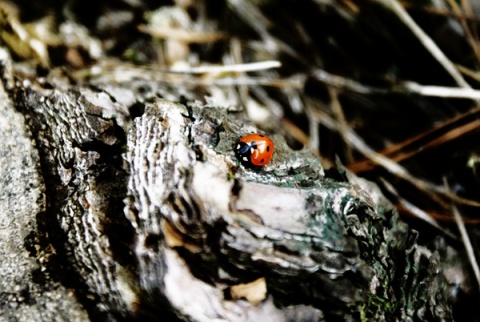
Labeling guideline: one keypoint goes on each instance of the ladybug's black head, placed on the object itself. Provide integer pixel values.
(244, 149)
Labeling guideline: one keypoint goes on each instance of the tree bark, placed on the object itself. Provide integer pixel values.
(108, 216)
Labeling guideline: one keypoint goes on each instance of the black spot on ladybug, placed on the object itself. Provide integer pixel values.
(263, 160)
(268, 148)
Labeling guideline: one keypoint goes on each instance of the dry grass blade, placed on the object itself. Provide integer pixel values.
(346, 83)
(415, 211)
(473, 74)
(406, 87)
(466, 241)
(439, 91)
(233, 68)
(340, 116)
(187, 36)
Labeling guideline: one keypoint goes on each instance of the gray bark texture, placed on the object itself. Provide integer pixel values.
(117, 204)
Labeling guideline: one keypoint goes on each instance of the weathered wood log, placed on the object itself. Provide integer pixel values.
(29, 289)
(157, 219)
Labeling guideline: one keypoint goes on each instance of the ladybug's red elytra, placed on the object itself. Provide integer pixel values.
(255, 149)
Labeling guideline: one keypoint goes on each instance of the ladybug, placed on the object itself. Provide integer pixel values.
(255, 149)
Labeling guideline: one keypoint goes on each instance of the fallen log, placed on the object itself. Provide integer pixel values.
(154, 217)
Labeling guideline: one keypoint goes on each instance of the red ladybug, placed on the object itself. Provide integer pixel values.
(255, 149)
